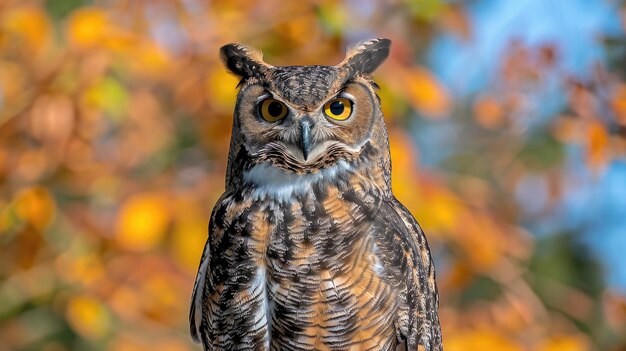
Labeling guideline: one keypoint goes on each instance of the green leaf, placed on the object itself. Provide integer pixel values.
(58, 9)
(542, 151)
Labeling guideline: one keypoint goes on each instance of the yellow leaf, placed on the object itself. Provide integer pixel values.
(436, 208)
(428, 10)
(441, 210)
(149, 59)
(404, 169)
(107, 94)
(479, 339)
(87, 27)
(425, 93)
(142, 222)
(189, 235)
(565, 343)
(29, 24)
(333, 15)
(392, 104)
(6, 222)
(221, 88)
(87, 316)
(35, 206)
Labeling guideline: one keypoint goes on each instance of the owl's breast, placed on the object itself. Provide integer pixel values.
(323, 269)
(304, 266)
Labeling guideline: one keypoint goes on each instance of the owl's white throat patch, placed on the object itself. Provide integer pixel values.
(272, 182)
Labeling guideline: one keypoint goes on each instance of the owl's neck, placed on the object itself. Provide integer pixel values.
(269, 182)
(263, 181)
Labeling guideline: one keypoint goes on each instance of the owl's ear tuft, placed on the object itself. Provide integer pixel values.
(366, 57)
(243, 61)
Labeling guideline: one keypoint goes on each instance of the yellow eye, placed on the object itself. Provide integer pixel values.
(339, 109)
(272, 110)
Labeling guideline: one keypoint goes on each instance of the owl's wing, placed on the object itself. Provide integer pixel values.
(195, 311)
(199, 312)
(199, 287)
(418, 323)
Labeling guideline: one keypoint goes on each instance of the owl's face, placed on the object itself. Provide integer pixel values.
(303, 119)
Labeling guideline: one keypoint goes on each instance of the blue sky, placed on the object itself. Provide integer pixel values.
(596, 203)
(573, 25)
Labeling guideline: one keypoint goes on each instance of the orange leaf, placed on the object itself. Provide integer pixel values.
(404, 169)
(480, 339)
(481, 240)
(159, 298)
(85, 269)
(425, 93)
(569, 129)
(488, 112)
(455, 20)
(52, 118)
(597, 145)
(12, 82)
(565, 343)
(614, 307)
(124, 343)
(36, 206)
(29, 24)
(618, 102)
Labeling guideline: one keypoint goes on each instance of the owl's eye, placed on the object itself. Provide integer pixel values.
(272, 110)
(339, 109)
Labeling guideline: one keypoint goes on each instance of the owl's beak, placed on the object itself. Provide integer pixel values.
(305, 136)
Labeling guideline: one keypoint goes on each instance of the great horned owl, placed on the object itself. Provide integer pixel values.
(308, 248)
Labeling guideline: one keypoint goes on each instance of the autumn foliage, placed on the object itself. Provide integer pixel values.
(114, 127)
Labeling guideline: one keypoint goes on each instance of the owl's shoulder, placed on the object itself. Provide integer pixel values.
(396, 215)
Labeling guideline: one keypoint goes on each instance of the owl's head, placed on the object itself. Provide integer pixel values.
(304, 119)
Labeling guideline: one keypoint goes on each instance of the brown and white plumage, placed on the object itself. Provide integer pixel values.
(308, 249)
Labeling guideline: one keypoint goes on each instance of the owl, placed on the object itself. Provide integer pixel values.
(308, 248)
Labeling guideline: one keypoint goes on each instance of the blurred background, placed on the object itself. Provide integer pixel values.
(507, 122)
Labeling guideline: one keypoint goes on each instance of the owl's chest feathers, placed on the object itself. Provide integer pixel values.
(301, 219)
(297, 258)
